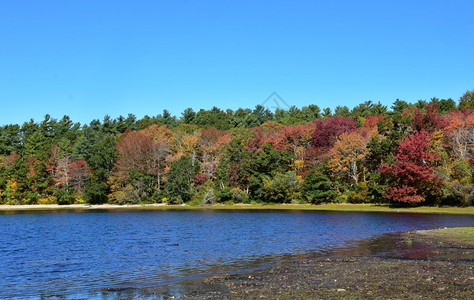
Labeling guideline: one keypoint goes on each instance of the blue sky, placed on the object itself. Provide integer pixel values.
(87, 58)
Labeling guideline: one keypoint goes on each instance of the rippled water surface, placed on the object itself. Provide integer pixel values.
(75, 254)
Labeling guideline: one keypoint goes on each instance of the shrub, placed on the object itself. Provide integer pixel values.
(360, 194)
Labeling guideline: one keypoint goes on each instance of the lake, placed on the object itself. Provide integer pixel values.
(94, 254)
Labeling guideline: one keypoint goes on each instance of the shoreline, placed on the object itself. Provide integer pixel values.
(289, 207)
(426, 264)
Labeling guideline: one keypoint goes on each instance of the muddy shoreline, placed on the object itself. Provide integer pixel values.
(419, 264)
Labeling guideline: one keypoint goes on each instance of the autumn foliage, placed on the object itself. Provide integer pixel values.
(422, 153)
(347, 156)
(413, 173)
(328, 130)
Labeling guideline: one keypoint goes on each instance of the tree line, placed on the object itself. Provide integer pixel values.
(409, 154)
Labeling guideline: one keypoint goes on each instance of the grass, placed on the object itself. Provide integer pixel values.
(463, 235)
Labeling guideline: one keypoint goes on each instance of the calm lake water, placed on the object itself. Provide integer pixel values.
(82, 254)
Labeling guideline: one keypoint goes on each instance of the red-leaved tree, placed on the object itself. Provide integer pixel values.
(328, 130)
(412, 177)
(295, 139)
(429, 120)
(66, 172)
(79, 173)
(135, 153)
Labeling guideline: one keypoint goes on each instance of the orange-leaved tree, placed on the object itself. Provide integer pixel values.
(347, 155)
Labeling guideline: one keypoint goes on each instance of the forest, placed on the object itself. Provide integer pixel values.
(409, 154)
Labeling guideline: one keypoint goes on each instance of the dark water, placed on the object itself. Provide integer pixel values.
(86, 254)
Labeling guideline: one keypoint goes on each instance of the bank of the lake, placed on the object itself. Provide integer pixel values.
(426, 264)
(321, 207)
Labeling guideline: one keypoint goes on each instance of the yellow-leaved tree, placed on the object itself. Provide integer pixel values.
(347, 154)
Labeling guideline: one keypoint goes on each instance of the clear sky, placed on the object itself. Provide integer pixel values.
(90, 58)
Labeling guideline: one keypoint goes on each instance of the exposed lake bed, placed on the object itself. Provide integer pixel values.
(150, 254)
(409, 265)
(424, 264)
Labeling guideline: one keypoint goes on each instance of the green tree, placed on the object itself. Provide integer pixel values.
(66, 129)
(311, 113)
(97, 146)
(342, 111)
(100, 162)
(421, 104)
(362, 110)
(180, 187)
(399, 106)
(167, 119)
(188, 116)
(17, 184)
(234, 168)
(10, 140)
(213, 118)
(281, 115)
(246, 118)
(378, 109)
(327, 113)
(121, 124)
(261, 114)
(267, 162)
(466, 101)
(446, 105)
(146, 122)
(382, 147)
(318, 186)
(282, 188)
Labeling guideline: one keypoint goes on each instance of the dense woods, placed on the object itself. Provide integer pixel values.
(408, 154)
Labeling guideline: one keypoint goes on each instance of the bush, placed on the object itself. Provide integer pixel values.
(360, 194)
(223, 195)
(96, 192)
(194, 202)
(32, 197)
(48, 200)
(64, 197)
(204, 195)
(239, 195)
(458, 195)
(282, 188)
